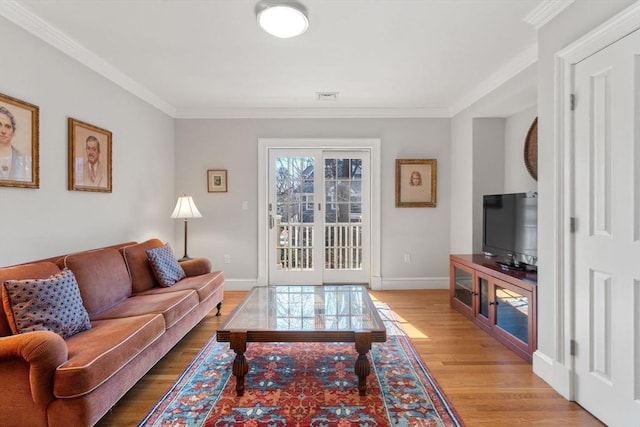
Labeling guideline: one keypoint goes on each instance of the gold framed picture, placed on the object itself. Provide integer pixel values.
(416, 183)
(89, 157)
(217, 180)
(19, 143)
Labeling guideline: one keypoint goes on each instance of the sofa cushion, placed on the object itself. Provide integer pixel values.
(172, 305)
(164, 265)
(52, 304)
(205, 285)
(97, 354)
(35, 270)
(102, 277)
(142, 277)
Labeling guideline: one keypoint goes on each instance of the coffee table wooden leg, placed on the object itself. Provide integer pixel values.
(238, 343)
(363, 367)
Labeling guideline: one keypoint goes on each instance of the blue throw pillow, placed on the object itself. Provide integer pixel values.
(52, 304)
(164, 265)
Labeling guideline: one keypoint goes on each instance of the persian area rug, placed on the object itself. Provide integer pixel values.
(307, 384)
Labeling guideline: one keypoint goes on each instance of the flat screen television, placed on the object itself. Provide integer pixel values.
(510, 228)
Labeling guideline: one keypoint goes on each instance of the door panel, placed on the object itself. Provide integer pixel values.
(607, 249)
(294, 230)
(346, 218)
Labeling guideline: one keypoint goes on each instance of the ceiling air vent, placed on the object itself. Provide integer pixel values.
(327, 96)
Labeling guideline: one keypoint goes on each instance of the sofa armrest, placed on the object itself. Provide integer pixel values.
(44, 351)
(196, 266)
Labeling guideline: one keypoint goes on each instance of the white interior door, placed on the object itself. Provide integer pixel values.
(319, 227)
(607, 237)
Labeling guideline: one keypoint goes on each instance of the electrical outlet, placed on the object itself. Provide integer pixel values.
(407, 258)
(227, 259)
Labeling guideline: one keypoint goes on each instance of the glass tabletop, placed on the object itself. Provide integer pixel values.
(306, 308)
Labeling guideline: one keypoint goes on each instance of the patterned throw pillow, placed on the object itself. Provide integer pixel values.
(52, 304)
(164, 265)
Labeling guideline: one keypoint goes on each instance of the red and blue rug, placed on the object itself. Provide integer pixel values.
(307, 384)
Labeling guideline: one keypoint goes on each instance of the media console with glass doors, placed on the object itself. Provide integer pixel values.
(500, 301)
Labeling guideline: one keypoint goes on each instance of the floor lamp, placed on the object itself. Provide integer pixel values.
(185, 208)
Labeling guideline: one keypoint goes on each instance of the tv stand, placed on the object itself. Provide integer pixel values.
(502, 301)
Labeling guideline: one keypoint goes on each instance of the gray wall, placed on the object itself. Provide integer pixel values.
(486, 138)
(227, 229)
(516, 177)
(488, 167)
(38, 223)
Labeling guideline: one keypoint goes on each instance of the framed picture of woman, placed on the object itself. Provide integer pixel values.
(89, 157)
(19, 143)
(416, 181)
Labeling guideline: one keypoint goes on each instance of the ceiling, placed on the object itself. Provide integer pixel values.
(384, 58)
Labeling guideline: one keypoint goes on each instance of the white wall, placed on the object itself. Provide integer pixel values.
(227, 229)
(38, 223)
(479, 136)
(574, 22)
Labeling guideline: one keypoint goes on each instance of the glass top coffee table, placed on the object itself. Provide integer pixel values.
(329, 313)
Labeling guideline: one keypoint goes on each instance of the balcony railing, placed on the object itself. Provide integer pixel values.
(342, 246)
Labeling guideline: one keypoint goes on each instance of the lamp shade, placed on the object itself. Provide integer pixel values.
(186, 208)
(284, 20)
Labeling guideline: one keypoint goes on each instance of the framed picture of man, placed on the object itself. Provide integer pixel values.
(89, 157)
(19, 143)
(416, 183)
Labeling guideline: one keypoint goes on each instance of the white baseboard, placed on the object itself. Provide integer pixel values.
(543, 366)
(378, 283)
(399, 283)
(554, 374)
(239, 284)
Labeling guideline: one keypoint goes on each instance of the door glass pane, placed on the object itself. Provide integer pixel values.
(294, 212)
(484, 297)
(512, 313)
(463, 289)
(343, 214)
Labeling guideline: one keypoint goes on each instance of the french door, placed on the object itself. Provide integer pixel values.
(318, 215)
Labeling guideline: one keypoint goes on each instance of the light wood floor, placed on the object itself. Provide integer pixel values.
(486, 383)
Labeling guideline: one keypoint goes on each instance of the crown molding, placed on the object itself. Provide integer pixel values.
(545, 12)
(501, 76)
(19, 15)
(311, 113)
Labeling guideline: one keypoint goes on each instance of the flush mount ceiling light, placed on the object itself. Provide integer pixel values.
(283, 19)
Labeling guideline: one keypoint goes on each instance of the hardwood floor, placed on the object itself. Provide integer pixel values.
(487, 383)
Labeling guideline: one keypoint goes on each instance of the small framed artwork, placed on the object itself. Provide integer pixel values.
(19, 143)
(416, 183)
(89, 157)
(217, 180)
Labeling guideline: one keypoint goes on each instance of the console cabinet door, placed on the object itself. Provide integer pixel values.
(462, 290)
(484, 285)
(512, 315)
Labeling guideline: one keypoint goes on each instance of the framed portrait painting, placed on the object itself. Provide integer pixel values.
(416, 183)
(19, 143)
(217, 181)
(89, 157)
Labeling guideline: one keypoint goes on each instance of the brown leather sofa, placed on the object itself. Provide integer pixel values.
(46, 380)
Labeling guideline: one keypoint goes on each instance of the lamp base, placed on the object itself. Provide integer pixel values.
(185, 258)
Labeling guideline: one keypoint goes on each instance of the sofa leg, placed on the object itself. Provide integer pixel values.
(219, 306)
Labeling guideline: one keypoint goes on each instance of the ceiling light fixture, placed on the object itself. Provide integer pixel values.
(283, 19)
